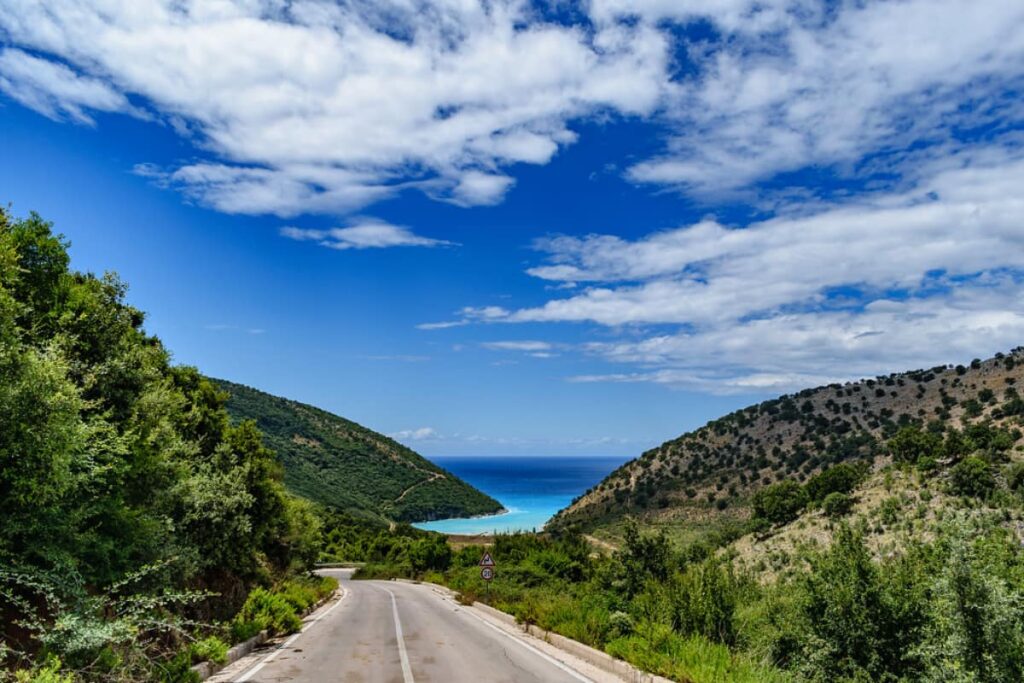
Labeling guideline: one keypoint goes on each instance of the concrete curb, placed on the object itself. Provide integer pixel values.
(597, 658)
(207, 669)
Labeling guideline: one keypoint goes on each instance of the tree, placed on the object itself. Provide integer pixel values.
(837, 504)
(781, 502)
(863, 624)
(643, 557)
(911, 444)
(841, 478)
(972, 476)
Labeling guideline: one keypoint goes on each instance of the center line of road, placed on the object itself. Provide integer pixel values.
(403, 655)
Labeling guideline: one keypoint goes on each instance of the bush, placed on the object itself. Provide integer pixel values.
(781, 502)
(270, 611)
(842, 478)
(1015, 476)
(705, 599)
(211, 649)
(911, 443)
(49, 672)
(837, 504)
(972, 477)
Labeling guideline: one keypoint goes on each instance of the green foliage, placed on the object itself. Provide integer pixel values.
(269, 611)
(972, 476)
(841, 478)
(837, 504)
(48, 672)
(781, 502)
(705, 597)
(279, 611)
(643, 558)
(211, 649)
(911, 443)
(977, 628)
(347, 467)
(860, 621)
(123, 487)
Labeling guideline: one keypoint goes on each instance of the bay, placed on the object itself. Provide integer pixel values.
(532, 489)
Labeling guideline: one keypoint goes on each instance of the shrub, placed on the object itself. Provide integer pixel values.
(911, 443)
(837, 504)
(705, 599)
(972, 476)
(1015, 476)
(211, 649)
(269, 611)
(49, 672)
(781, 502)
(841, 478)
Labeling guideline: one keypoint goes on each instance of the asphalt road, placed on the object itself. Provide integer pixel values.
(388, 632)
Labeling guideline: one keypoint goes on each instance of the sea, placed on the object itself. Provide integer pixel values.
(532, 489)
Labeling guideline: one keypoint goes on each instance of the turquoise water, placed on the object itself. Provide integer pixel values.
(532, 489)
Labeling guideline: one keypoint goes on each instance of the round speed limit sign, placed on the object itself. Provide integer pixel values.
(487, 573)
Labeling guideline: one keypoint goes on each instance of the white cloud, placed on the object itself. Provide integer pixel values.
(885, 282)
(421, 434)
(310, 106)
(469, 314)
(962, 221)
(368, 234)
(813, 348)
(791, 83)
(54, 90)
(524, 345)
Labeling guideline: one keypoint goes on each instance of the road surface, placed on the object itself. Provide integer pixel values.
(390, 632)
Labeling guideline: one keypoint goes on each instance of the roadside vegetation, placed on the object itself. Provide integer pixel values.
(140, 529)
(904, 564)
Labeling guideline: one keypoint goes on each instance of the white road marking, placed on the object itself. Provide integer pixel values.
(269, 658)
(402, 654)
(543, 655)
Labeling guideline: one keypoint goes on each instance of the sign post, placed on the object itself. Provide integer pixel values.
(487, 572)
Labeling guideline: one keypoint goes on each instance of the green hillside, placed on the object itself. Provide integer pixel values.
(341, 464)
(707, 480)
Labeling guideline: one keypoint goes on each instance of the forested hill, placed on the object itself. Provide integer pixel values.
(706, 478)
(336, 462)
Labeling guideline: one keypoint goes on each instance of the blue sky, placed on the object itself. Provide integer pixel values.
(520, 228)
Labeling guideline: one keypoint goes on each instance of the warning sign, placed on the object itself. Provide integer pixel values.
(487, 560)
(486, 573)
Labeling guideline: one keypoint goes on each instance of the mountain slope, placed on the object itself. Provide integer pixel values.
(704, 479)
(341, 464)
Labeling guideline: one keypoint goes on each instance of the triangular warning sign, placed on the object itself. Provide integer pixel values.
(487, 560)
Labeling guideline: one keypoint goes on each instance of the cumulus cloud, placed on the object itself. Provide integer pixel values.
(311, 106)
(368, 234)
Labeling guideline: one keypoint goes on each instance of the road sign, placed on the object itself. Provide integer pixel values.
(486, 573)
(487, 560)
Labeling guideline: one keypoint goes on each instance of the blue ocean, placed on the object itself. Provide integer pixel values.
(532, 489)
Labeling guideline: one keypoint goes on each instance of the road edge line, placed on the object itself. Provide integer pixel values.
(249, 673)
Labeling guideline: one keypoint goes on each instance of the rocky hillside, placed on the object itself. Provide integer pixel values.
(708, 476)
(346, 466)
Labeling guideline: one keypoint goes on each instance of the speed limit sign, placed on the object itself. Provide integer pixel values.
(487, 573)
